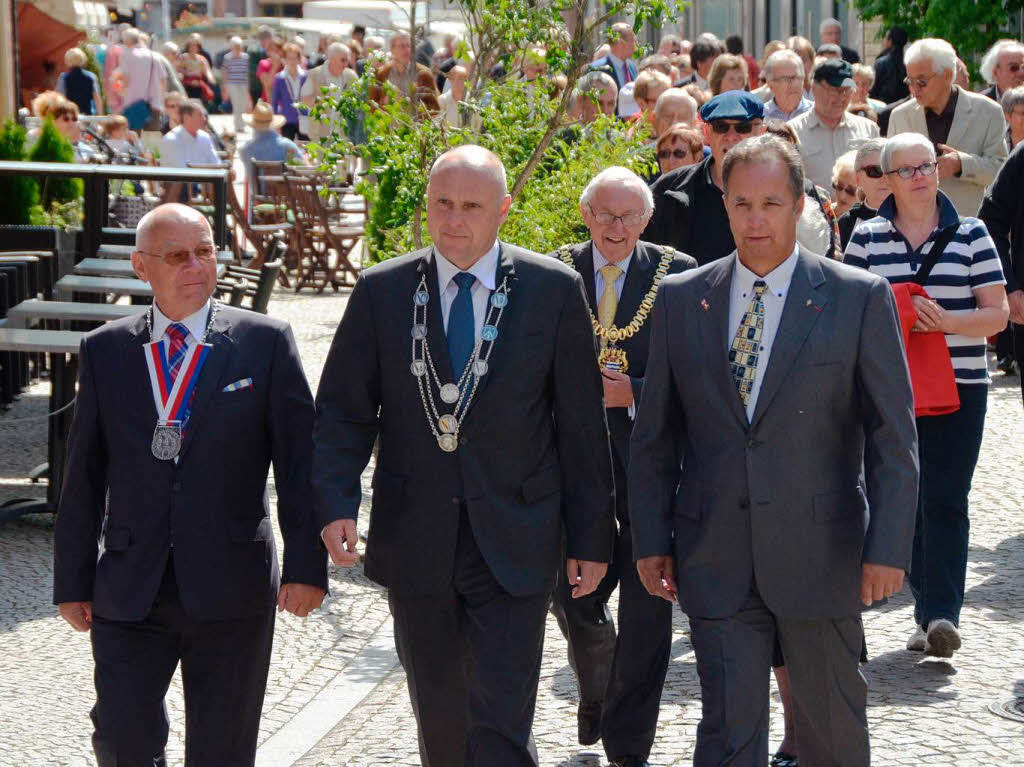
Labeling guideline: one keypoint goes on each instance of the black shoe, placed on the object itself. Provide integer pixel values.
(629, 761)
(1007, 366)
(588, 723)
(782, 759)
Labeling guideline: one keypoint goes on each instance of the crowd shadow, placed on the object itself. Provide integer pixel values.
(906, 679)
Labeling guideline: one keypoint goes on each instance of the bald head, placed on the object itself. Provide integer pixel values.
(475, 159)
(152, 226)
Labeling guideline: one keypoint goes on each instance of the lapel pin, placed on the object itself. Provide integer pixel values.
(704, 304)
(811, 305)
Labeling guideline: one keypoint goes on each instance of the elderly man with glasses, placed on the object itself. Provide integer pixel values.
(1003, 68)
(784, 75)
(967, 129)
(828, 130)
(689, 213)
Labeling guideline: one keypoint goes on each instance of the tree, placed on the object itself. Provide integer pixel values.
(971, 26)
(19, 193)
(525, 123)
(51, 146)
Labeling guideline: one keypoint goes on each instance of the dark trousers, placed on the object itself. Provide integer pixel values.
(948, 447)
(472, 660)
(829, 693)
(1018, 350)
(224, 668)
(626, 672)
(291, 131)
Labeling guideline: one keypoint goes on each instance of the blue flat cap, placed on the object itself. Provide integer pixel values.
(733, 105)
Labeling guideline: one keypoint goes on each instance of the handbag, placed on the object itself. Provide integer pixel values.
(127, 210)
(137, 114)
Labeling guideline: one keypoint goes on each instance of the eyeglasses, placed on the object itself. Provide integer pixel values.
(679, 154)
(872, 171)
(203, 254)
(791, 80)
(721, 127)
(850, 190)
(1015, 67)
(604, 218)
(909, 171)
(918, 82)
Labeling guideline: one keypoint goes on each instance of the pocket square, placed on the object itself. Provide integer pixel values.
(244, 383)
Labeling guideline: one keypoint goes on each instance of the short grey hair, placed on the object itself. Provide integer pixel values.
(901, 143)
(130, 36)
(759, 149)
(398, 36)
(596, 80)
(373, 42)
(864, 152)
(670, 94)
(1012, 99)
(863, 70)
(829, 24)
(785, 56)
(619, 176)
(991, 60)
(337, 49)
(845, 161)
(235, 41)
(192, 107)
(939, 52)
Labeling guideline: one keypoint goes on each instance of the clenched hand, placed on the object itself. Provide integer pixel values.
(340, 538)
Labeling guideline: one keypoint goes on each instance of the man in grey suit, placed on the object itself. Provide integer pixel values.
(776, 411)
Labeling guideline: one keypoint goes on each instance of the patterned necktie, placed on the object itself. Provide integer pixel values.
(177, 347)
(461, 325)
(609, 302)
(629, 75)
(746, 345)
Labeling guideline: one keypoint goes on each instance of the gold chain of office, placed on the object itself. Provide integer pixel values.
(615, 334)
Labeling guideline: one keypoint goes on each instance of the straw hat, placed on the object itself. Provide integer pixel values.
(263, 117)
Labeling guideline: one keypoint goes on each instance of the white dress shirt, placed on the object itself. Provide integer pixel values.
(195, 322)
(485, 270)
(179, 148)
(774, 299)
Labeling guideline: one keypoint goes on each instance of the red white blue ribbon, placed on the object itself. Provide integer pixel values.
(172, 397)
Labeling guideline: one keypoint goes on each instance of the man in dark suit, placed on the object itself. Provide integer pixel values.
(619, 63)
(776, 378)
(621, 678)
(830, 32)
(491, 440)
(163, 544)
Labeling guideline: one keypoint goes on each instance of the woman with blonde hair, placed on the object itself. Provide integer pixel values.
(79, 85)
(728, 73)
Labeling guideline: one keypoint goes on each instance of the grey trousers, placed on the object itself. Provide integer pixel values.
(734, 658)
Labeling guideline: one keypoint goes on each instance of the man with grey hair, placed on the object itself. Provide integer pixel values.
(784, 76)
(491, 446)
(235, 76)
(967, 129)
(830, 32)
(1003, 68)
(674, 105)
(618, 63)
(620, 678)
(334, 75)
(407, 76)
(163, 547)
(775, 378)
(597, 95)
(142, 79)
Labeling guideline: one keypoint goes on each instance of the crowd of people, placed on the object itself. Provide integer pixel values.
(771, 438)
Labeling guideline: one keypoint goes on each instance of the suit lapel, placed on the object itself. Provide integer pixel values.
(506, 270)
(635, 287)
(961, 121)
(219, 338)
(138, 392)
(436, 336)
(919, 124)
(584, 264)
(805, 302)
(713, 322)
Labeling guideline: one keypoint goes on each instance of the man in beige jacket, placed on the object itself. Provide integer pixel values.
(968, 129)
(335, 72)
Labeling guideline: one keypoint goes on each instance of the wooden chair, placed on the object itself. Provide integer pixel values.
(257, 285)
(261, 237)
(325, 246)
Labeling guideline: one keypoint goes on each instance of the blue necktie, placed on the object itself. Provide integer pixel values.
(461, 327)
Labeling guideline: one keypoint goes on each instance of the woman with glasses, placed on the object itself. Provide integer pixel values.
(844, 183)
(917, 227)
(680, 145)
(872, 188)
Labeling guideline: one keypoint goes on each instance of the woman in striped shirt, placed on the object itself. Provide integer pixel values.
(967, 303)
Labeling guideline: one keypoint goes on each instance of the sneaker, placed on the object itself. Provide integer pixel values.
(943, 639)
(917, 640)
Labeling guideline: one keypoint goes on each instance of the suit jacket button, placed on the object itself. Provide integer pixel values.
(751, 443)
(744, 503)
(176, 486)
(456, 500)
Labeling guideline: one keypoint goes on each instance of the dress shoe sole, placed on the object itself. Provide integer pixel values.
(942, 642)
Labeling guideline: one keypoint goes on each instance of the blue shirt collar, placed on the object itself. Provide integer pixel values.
(947, 211)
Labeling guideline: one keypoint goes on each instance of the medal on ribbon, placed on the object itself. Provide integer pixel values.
(172, 397)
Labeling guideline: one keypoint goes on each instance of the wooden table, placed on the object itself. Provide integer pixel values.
(70, 284)
(59, 344)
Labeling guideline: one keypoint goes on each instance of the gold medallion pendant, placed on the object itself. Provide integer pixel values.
(613, 358)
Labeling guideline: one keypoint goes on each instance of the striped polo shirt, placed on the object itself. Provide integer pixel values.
(236, 69)
(969, 262)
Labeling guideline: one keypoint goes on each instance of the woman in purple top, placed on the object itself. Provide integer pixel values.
(287, 85)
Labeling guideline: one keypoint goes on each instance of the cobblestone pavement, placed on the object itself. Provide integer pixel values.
(921, 711)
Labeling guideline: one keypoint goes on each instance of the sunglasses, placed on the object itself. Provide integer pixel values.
(850, 190)
(679, 154)
(721, 128)
(872, 171)
(917, 82)
(909, 171)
